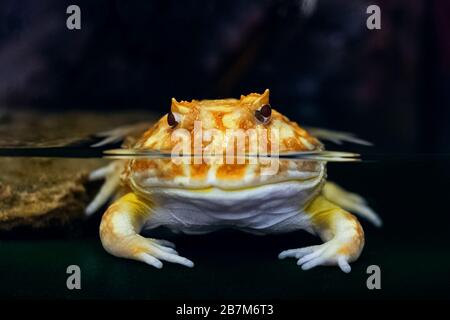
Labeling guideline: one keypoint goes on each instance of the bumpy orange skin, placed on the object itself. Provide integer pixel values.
(221, 115)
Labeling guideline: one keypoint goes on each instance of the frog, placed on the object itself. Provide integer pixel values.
(202, 197)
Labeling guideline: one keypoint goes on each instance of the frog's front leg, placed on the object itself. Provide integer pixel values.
(341, 232)
(119, 233)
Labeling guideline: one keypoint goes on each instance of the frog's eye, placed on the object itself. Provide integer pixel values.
(264, 113)
(171, 119)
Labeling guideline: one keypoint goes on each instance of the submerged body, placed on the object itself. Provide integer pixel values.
(203, 197)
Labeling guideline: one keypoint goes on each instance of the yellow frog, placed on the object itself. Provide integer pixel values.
(202, 197)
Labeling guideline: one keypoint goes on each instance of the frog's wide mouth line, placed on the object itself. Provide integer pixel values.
(231, 190)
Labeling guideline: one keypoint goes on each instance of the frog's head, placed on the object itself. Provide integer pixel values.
(251, 113)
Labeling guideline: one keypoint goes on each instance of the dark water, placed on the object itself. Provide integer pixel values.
(411, 249)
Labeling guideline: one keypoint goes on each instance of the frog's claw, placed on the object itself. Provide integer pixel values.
(342, 233)
(153, 252)
(324, 254)
(119, 233)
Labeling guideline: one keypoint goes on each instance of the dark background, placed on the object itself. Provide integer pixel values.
(324, 68)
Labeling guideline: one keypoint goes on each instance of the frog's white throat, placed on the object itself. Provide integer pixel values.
(267, 208)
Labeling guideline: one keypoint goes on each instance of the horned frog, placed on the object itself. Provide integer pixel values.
(199, 198)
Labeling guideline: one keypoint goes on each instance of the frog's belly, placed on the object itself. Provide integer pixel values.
(271, 208)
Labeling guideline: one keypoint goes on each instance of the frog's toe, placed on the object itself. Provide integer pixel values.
(325, 254)
(150, 260)
(329, 253)
(165, 243)
(152, 251)
(296, 253)
(155, 258)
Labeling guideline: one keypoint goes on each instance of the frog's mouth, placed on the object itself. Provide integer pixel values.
(228, 177)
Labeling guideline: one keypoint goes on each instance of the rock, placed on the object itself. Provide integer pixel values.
(43, 192)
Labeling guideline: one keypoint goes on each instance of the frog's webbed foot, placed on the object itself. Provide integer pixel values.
(324, 254)
(152, 251)
(351, 202)
(119, 233)
(342, 233)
